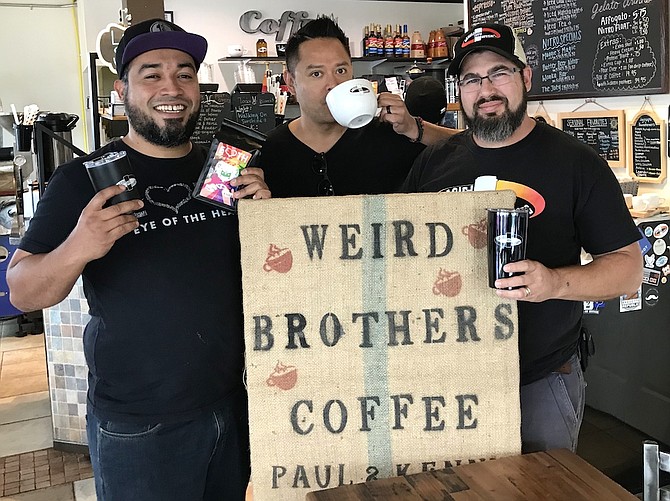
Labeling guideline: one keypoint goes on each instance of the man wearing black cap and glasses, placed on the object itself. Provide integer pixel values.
(167, 412)
(575, 201)
(314, 155)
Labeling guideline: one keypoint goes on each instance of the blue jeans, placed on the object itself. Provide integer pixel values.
(552, 410)
(204, 459)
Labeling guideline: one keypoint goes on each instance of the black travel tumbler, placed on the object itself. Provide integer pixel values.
(506, 234)
(110, 169)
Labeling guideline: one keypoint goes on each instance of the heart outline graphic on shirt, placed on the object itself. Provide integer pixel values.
(174, 208)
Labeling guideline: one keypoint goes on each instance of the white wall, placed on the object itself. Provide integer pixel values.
(38, 61)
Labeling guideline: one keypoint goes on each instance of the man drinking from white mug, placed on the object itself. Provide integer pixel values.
(315, 155)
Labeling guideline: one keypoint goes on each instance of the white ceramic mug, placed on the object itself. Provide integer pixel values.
(353, 103)
(648, 201)
(629, 200)
(236, 50)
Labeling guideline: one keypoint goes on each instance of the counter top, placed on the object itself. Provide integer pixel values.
(557, 474)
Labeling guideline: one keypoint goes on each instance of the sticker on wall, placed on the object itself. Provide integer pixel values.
(593, 307)
(631, 303)
(651, 296)
(660, 246)
(651, 277)
(645, 245)
(661, 261)
(648, 231)
(649, 260)
(661, 230)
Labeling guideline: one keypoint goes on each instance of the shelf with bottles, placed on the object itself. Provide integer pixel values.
(253, 60)
(404, 60)
(366, 59)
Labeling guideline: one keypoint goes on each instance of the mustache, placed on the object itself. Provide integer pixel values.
(490, 99)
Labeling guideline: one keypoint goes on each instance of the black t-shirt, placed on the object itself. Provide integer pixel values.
(165, 339)
(576, 202)
(370, 160)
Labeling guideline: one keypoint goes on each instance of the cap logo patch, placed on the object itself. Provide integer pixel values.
(480, 34)
(160, 26)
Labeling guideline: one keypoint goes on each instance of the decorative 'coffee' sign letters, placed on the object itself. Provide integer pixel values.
(270, 26)
(374, 346)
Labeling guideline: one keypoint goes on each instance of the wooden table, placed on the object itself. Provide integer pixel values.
(553, 475)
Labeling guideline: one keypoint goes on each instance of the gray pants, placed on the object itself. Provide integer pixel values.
(552, 410)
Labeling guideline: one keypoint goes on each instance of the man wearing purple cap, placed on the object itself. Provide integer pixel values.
(167, 412)
(575, 202)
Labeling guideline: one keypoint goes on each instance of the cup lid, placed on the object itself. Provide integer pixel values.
(507, 209)
(105, 159)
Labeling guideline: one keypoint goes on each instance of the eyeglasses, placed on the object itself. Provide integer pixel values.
(497, 78)
(320, 167)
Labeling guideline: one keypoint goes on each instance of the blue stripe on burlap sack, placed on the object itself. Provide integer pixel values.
(375, 360)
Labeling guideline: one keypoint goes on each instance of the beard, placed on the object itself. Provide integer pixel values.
(174, 133)
(497, 128)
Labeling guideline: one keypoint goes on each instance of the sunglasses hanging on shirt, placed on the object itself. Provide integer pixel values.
(320, 167)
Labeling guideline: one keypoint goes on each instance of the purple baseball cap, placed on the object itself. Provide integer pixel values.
(157, 34)
(497, 38)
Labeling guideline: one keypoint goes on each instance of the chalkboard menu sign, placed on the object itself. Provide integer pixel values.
(213, 106)
(647, 155)
(255, 110)
(604, 131)
(587, 48)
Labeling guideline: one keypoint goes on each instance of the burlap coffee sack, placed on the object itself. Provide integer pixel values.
(374, 346)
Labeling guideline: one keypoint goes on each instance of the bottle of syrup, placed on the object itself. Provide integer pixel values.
(372, 41)
(366, 42)
(389, 41)
(406, 42)
(397, 42)
(417, 48)
(440, 48)
(261, 48)
(430, 44)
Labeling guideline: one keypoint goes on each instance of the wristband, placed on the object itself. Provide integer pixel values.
(419, 124)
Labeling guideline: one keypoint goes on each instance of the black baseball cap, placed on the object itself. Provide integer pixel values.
(157, 34)
(497, 38)
(426, 97)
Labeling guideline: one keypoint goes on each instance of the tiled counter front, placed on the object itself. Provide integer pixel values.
(64, 328)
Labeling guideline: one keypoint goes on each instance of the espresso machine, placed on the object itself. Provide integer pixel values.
(32, 146)
(53, 144)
